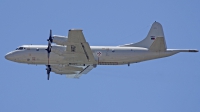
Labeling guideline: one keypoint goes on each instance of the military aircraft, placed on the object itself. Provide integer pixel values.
(73, 56)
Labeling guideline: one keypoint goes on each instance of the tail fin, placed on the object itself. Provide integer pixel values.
(155, 32)
(158, 45)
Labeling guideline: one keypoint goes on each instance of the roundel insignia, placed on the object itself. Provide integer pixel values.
(98, 53)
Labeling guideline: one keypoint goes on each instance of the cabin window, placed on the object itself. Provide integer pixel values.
(21, 48)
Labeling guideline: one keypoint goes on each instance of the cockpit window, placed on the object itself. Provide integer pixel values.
(21, 48)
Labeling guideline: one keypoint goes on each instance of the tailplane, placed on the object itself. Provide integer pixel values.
(155, 40)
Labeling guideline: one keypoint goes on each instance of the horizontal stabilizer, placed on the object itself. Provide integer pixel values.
(158, 45)
(183, 50)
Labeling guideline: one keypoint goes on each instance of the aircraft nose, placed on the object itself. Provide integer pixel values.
(9, 56)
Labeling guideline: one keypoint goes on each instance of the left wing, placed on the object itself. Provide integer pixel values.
(78, 50)
(71, 71)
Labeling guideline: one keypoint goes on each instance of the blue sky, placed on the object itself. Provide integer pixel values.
(168, 84)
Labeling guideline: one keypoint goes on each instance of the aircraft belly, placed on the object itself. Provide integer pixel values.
(122, 57)
(132, 57)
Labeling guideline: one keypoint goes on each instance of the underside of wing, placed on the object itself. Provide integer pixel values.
(71, 71)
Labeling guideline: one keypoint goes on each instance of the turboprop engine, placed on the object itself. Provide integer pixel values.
(57, 49)
(60, 40)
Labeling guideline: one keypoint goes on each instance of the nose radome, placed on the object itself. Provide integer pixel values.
(8, 56)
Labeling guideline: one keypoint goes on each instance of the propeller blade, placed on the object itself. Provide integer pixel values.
(48, 71)
(48, 55)
(50, 37)
(48, 76)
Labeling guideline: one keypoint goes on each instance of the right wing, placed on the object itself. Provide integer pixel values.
(78, 50)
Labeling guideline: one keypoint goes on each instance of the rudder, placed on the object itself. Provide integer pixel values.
(158, 45)
(155, 31)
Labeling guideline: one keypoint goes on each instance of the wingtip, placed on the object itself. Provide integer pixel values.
(194, 50)
(75, 29)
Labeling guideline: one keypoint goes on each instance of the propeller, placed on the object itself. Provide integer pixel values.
(50, 40)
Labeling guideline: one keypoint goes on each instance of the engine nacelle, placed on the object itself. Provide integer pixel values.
(60, 40)
(60, 50)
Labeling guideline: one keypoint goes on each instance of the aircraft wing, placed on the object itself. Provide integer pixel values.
(71, 71)
(78, 50)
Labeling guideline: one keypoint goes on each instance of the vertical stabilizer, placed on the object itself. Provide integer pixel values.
(155, 32)
(158, 45)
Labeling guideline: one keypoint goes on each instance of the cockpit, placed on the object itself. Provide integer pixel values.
(20, 48)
